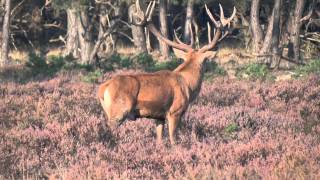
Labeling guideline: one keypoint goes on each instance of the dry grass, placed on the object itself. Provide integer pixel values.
(19, 56)
(126, 50)
(55, 52)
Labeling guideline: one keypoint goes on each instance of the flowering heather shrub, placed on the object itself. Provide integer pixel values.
(235, 129)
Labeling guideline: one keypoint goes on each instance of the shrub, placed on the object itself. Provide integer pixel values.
(37, 64)
(145, 61)
(70, 63)
(116, 61)
(213, 70)
(92, 77)
(312, 67)
(254, 71)
(53, 64)
(168, 65)
(231, 128)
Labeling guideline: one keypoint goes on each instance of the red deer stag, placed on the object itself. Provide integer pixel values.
(163, 95)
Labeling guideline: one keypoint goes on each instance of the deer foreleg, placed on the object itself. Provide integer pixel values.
(173, 121)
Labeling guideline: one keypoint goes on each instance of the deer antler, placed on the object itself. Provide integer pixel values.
(218, 36)
(146, 18)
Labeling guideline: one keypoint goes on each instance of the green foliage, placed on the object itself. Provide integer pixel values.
(312, 67)
(39, 65)
(125, 62)
(145, 61)
(233, 127)
(92, 77)
(116, 61)
(141, 61)
(254, 71)
(212, 70)
(168, 65)
(70, 63)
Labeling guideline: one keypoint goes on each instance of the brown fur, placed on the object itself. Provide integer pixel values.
(163, 95)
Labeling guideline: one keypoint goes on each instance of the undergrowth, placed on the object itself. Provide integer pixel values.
(312, 67)
(54, 129)
(254, 71)
(40, 66)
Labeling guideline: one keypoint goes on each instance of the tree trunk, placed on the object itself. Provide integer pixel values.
(85, 36)
(5, 35)
(271, 41)
(276, 35)
(294, 43)
(72, 43)
(164, 48)
(255, 26)
(138, 33)
(101, 38)
(273, 31)
(189, 16)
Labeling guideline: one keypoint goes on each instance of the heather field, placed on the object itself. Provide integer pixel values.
(236, 129)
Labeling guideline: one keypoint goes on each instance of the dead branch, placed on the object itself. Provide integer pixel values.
(111, 29)
(254, 55)
(125, 35)
(53, 25)
(60, 38)
(16, 7)
(308, 16)
(125, 23)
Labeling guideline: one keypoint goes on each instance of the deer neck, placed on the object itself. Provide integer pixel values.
(192, 73)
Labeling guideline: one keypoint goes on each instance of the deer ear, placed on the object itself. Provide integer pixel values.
(180, 54)
(209, 55)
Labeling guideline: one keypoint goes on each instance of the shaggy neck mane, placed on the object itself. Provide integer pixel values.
(192, 74)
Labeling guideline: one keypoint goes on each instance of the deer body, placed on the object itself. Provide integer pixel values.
(163, 95)
(160, 95)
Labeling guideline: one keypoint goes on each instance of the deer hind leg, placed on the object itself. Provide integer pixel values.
(117, 108)
(159, 130)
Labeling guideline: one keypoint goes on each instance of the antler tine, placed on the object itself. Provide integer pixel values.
(221, 12)
(224, 35)
(225, 21)
(179, 45)
(178, 39)
(146, 19)
(211, 16)
(209, 32)
(218, 35)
